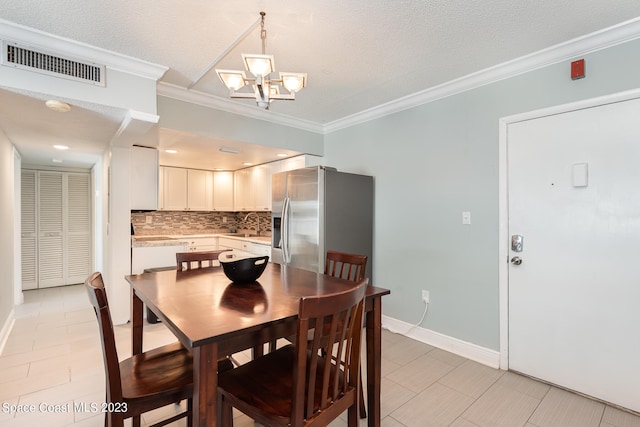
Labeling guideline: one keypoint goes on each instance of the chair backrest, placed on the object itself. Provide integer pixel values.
(98, 297)
(322, 381)
(193, 260)
(345, 266)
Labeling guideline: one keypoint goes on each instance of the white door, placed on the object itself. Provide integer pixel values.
(574, 301)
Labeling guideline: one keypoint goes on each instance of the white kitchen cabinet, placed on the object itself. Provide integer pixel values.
(223, 190)
(199, 244)
(245, 246)
(253, 188)
(243, 190)
(154, 256)
(298, 162)
(224, 243)
(144, 178)
(174, 189)
(261, 179)
(199, 190)
(187, 189)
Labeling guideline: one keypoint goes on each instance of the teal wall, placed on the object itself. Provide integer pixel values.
(434, 161)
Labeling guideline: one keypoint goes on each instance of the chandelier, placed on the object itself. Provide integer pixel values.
(257, 82)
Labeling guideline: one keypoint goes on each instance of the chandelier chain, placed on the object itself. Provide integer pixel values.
(263, 33)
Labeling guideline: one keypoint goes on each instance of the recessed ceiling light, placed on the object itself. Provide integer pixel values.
(282, 155)
(59, 106)
(228, 150)
(56, 160)
(61, 147)
(170, 151)
(247, 163)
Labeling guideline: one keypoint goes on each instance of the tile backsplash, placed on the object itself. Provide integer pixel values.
(180, 222)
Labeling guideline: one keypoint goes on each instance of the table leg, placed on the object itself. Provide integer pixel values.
(136, 323)
(374, 362)
(205, 385)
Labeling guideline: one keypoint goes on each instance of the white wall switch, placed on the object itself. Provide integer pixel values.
(466, 218)
(148, 219)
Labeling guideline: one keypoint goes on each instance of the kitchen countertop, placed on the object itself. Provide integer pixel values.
(172, 240)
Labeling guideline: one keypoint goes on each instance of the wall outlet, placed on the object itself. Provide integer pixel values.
(148, 219)
(425, 296)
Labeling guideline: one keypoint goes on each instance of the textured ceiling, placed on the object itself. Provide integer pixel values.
(358, 54)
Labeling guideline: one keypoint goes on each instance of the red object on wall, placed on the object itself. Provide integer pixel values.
(577, 69)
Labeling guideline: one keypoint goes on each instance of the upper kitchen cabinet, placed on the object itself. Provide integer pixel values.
(298, 162)
(187, 189)
(144, 178)
(223, 191)
(253, 188)
(199, 190)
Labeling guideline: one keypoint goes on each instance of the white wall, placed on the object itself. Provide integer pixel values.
(437, 160)
(6, 236)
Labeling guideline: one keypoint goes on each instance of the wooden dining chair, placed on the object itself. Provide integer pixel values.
(345, 266)
(350, 267)
(193, 260)
(146, 381)
(298, 384)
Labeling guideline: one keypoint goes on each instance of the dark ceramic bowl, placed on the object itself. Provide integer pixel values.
(242, 268)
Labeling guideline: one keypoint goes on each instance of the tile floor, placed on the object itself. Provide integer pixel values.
(53, 360)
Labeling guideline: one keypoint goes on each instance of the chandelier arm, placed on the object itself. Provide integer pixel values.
(226, 52)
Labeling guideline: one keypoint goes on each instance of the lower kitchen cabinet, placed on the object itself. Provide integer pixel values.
(200, 244)
(154, 256)
(245, 246)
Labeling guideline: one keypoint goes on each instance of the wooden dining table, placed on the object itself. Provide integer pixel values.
(213, 318)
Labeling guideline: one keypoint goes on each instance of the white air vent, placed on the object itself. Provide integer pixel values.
(14, 55)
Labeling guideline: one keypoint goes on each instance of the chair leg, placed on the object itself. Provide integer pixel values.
(363, 409)
(225, 413)
(190, 409)
(135, 421)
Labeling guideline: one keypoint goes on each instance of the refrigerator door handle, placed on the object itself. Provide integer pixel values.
(285, 230)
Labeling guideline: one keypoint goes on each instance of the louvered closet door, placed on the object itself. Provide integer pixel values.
(29, 231)
(51, 229)
(78, 244)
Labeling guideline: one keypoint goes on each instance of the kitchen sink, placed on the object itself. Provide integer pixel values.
(242, 235)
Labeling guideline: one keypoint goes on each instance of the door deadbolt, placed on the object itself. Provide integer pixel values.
(517, 242)
(516, 260)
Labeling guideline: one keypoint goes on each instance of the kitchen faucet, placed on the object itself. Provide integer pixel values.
(257, 216)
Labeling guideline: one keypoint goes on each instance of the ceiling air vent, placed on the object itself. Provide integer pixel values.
(23, 58)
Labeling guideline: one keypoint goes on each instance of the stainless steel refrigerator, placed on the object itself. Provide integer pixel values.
(318, 209)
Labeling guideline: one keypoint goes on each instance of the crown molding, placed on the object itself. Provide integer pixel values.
(51, 43)
(207, 100)
(608, 37)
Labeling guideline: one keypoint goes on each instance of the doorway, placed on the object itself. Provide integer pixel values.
(569, 284)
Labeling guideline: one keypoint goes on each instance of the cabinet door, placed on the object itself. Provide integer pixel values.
(199, 190)
(244, 191)
(223, 191)
(175, 189)
(78, 249)
(261, 184)
(144, 178)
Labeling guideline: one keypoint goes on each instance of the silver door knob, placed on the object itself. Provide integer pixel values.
(516, 260)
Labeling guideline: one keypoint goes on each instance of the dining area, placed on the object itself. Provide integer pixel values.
(213, 318)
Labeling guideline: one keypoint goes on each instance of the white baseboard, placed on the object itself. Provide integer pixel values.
(461, 348)
(6, 330)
